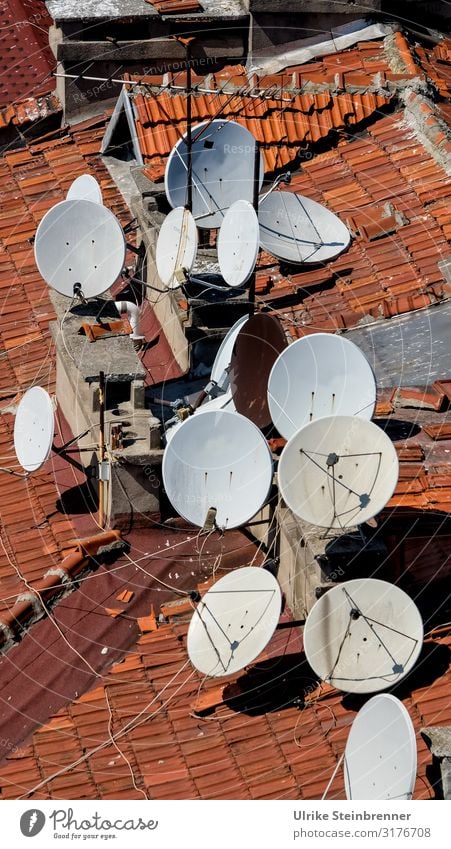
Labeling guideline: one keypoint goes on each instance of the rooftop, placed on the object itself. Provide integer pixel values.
(157, 730)
(369, 122)
(35, 525)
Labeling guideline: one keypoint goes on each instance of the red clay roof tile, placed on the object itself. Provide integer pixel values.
(33, 178)
(173, 7)
(178, 754)
(306, 117)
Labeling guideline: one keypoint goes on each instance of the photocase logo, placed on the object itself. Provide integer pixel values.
(32, 822)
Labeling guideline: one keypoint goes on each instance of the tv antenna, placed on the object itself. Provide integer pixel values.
(380, 760)
(238, 243)
(85, 187)
(299, 230)
(234, 621)
(363, 636)
(223, 154)
(176, 246)
(338, 472)
(217, 470)
(34, 427)
(319, 375)
(79, 248)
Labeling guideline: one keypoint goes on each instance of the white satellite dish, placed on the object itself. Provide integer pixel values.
(224, 356)
(221, 402)
(221, 461)
(85, 187)
(33, 429)
(223, 154)
(79, 244)
(338, 472)
(363, 636)
(297, 229)
(238, 243)
(234, 621)
(316, 376)
(176, 246)
(381, 752)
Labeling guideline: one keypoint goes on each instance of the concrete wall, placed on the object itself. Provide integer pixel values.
(313, 559)
(133, 491)
(144, 48)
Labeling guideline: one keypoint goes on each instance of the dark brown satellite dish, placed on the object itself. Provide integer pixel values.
(257, 346)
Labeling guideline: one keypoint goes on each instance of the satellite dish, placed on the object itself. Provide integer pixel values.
(223, 154)
(297, 229)
(363, 636)
(234, 621)
(381, 752)
(176, 246)
(223, 357)
(238, 243)
(79, 243)
(33, 429)
(258, 344)
(338, 472)
(221, 402)
(320, 375)
(221, 461)
(85, 187)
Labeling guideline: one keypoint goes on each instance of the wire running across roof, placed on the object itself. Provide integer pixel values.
(255, 741)
(246, 738)
(32, 180)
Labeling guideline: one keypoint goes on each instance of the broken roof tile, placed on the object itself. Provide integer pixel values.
(174, 7)
(26, 62)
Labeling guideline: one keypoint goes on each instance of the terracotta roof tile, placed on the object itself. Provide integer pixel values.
(308, 115)
(436, 63)
(273, 750)
(32, 179)
(366, 181)
(174, 7)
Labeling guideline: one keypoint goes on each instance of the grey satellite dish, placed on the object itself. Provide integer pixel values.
(85, 187)
(238, 243)
(176, 246)
(298, 230)
(234, 621)
(363, 636)
(217, 461)
(381, 753)
(316, 376)
(79, 245)
(221, 402)
(338, 472)
(33, 429)
(224, 356)
(223, 154)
